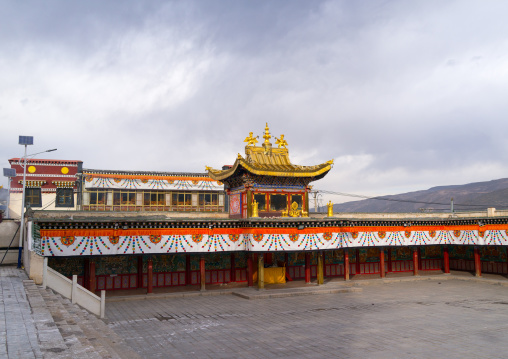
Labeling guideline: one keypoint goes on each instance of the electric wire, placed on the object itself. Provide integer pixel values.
(383, 198)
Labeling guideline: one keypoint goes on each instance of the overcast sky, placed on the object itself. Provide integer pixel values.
(402, 95)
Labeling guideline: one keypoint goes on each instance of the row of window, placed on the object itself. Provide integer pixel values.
(151, 199)
(64, 197)
(277, 202)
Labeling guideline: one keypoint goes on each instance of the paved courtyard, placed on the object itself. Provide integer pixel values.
(423, 319)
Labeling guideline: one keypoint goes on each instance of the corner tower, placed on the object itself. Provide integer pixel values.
(267, 180)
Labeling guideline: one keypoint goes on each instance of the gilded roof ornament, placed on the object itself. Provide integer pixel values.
(266, 160)
(267, 136)
(281, 142)
(251, 140)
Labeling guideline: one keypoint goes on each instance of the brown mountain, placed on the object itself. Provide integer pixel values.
(467, 197)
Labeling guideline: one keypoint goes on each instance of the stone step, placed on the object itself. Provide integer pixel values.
(75, 339)
(91, 332)
(51, 342)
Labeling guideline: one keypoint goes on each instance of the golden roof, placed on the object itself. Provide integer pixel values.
(267, 161)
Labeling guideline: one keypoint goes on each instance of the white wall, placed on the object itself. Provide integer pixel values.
(48, 200)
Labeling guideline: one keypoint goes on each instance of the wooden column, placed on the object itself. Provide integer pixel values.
(149, 286)
(93, 281)
(320, 269)
(346, 264)
(357, 262)
(202, 273)
(233, 269)
(261, 271)
(188, 274)
(307, 267)
(415, 261)
(419, 258)
(140, 272)
(477, 262)
(86, 274)
(250, 272)
(446, 260)
(389, 259)
(382, 262)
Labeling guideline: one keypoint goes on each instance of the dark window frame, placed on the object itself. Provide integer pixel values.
(66, 192)
(33, 193)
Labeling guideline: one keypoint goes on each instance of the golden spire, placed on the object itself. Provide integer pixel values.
(267, 136)
(267, 145)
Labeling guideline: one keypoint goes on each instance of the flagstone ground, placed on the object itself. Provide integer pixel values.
(409, 319)
(455, 316)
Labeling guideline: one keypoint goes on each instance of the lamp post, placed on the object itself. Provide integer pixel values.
(9, 173)
(25, 140)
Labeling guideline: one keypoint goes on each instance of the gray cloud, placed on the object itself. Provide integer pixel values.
(403, 95)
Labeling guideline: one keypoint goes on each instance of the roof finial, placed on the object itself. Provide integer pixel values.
(267, 134)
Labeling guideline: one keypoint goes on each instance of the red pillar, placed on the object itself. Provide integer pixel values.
(346, 264)
(93, 282)
(415, 261)
(446, 260)
(202, 274)
(477, 262)
(139, 283)
(307, 267)
(149, 289)
(382, 262)
(188, 277)
(357, 263)
(250, 272)
(233, 269)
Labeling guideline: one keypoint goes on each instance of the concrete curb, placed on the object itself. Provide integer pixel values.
(292, 293)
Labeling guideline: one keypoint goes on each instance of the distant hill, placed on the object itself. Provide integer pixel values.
(488, 194)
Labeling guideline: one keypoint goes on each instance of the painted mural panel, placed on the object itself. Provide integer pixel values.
(369, 255)
(402, 253)
(218, 261)
(431, 252)
(461, 252)
(169, 263)
(115, 265)
(296, 259)
(493, 254)
(67, 266)
(241, 259)
(334, 257)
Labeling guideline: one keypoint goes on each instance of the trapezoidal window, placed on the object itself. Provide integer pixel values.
(278, 202)
(260, 198)
(64, 197)
(33, 197)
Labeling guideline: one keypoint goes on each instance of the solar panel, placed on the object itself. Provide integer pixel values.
(26, 140)
(9, 172)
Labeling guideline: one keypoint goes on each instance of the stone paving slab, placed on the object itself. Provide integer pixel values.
(419, 318)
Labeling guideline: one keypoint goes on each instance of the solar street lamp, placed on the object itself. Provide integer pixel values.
(25, 141)
(9, 173)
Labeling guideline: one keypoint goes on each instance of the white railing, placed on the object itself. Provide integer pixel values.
(72, 290)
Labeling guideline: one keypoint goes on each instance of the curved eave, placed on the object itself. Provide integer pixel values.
(218, 175)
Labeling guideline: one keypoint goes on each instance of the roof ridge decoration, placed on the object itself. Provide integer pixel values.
(268, 161)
